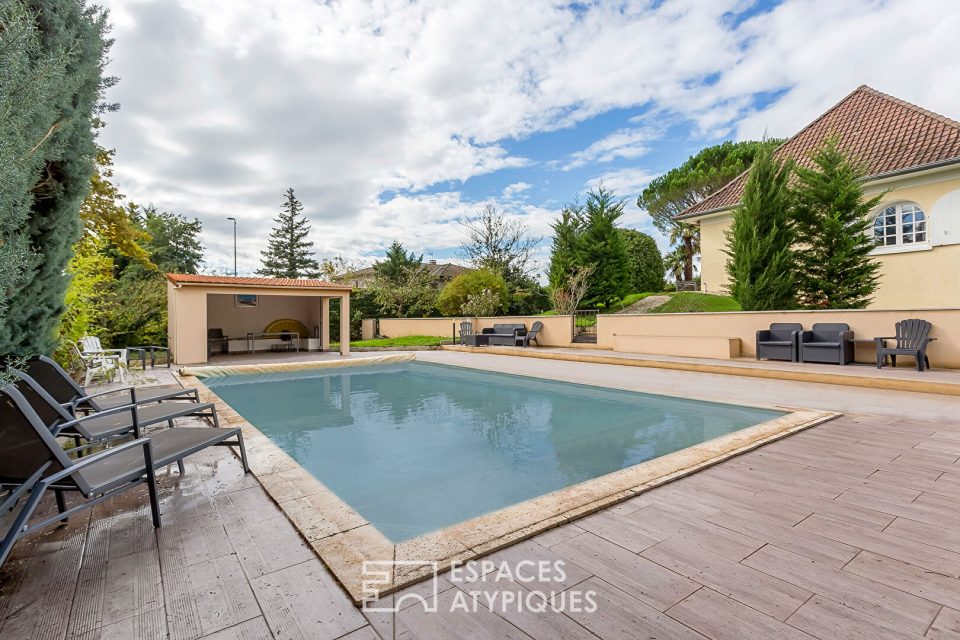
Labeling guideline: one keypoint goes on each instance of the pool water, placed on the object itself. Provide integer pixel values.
(416, 447)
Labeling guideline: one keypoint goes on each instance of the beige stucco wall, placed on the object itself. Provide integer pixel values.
(927, 278)
(192, 308)
(868, 323)
(557, 330)
(239, 321)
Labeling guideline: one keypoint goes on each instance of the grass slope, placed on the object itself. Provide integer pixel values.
(693, 301)
(405, 341)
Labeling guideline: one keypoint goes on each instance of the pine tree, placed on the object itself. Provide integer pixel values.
(290, 254)
(601, 246)
(762, 261)
(397, 263)
(563, 253)
(832, 220)
(51, 83)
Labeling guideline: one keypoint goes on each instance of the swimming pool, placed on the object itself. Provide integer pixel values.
(417, 447)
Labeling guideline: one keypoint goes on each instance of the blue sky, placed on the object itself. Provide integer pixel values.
(396, 120)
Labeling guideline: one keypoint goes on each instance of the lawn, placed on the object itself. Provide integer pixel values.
(405, 341)
(692, 301)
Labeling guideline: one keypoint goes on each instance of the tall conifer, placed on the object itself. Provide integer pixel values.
(290, 254)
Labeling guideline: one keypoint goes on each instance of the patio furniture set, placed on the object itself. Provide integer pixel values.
(113, 451)
(510, 335)
(97, 362)
(833, 343)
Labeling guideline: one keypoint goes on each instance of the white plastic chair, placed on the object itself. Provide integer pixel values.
(102, 366)
(91, 345)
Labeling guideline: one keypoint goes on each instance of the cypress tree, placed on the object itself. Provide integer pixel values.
(602, 247)
(290, 254)
(762, 261)
(563, 253)
(832, 220)
(51, 82)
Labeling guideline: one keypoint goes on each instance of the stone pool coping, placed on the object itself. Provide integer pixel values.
(344, 540)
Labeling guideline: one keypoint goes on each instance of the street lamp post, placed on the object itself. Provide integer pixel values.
(234, 246)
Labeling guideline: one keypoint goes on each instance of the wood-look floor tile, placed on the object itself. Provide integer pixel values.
(192, 540)
(207, 597)
(766, 593)
(917, 553)
(946, 626)
(793, 539)
(721, 618)
(899, 609)
(266, 545)
(825, 618)
(619, 615)
(643, 579)
(304, 602)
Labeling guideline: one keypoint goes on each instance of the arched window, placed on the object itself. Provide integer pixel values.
(903, 223)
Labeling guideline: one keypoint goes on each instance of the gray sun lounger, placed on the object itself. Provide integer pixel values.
(67, 392)
(29, 445)
(108, 423)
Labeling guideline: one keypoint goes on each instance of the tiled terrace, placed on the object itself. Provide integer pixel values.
(848, 530)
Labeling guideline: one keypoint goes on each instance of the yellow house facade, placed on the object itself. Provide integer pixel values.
(910, 154)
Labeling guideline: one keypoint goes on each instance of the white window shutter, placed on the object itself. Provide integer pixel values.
(946, 219)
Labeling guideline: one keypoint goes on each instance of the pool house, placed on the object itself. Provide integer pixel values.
(214, 315)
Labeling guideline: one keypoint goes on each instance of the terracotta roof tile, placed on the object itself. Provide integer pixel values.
(883, 133)
(182, 278)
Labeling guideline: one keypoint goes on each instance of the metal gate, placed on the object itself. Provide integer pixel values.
(585, 325)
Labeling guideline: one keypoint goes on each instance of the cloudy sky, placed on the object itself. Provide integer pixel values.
(394, 119)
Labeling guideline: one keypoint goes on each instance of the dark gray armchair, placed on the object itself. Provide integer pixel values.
(912, 339)
(779, 342)
(827, 342)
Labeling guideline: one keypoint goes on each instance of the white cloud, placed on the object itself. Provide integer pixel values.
(625, 182)
(624, 143)
(226, 103)
(511, 191)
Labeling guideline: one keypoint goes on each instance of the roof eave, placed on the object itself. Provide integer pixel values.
(704, 214)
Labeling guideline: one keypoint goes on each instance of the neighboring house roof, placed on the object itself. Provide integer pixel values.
(884, 134)
(183, 278)
(443, 270)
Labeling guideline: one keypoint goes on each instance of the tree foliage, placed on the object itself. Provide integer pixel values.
(397, 263)
(52, 55)
(834, 269)
(602, 247)
(290, 254)
(566, 296)
(646, 263)
(762, 260)
(677, 190)
(499, 243)
(457, 292)
(587, 235)
(410, 294)
(503, 244)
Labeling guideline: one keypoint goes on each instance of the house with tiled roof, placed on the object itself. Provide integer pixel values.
(440, 273)
(907, 152)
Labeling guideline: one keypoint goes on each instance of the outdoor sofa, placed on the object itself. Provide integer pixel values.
(504, 334)
(827, 342)
(779, 342)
